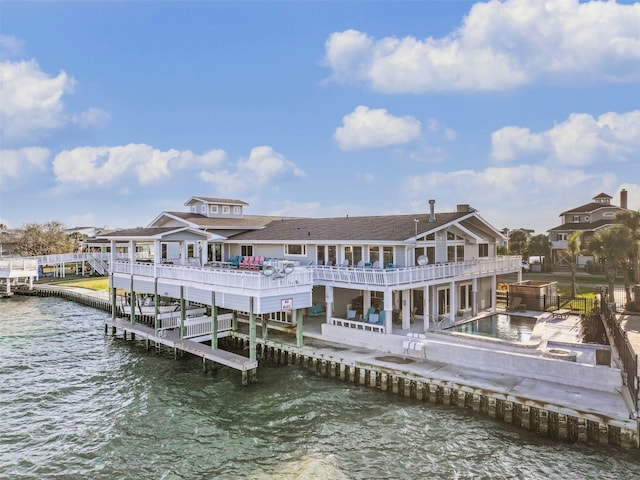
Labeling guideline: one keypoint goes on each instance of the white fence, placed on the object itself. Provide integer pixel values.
(412, 275)
(367, 327)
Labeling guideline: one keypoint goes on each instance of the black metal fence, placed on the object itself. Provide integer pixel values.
(549, 303)
(628, 357)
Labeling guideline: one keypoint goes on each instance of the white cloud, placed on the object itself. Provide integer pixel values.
(500, 45)
(101, 166)
(20, 164)
(32, 105)
(579, 141)
(534, 194)
(264, 168)
(10, 46)
(375, 128)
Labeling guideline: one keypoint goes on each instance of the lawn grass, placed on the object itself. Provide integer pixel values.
(91, 283)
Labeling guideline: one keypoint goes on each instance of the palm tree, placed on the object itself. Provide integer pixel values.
(631, 220)
(612, 245)
(574, 246)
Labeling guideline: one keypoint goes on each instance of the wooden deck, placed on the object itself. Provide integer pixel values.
(171, 339)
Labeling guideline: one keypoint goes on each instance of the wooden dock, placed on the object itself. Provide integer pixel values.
(172, 340)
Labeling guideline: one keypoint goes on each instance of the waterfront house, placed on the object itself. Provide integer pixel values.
(368, 276)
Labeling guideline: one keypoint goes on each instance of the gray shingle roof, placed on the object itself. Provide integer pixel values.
(583, 227)
(247, 221)
(226, 201)
(380, 228)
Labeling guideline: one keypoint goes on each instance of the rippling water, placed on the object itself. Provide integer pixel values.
(75, 403)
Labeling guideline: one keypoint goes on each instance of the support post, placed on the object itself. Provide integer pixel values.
(183, 313)
(299, 333)
(214, 322)
(114, 301)
(156, 302)
(132, 303)
(252, 332)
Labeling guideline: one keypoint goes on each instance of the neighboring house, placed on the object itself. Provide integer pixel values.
(409, 271)
(588, 219)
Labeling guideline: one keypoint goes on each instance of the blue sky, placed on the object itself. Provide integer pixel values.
(115, 111)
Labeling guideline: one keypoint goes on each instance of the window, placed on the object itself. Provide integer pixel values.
(576, 219)
(190, 250)
(387, 255)
(374, 254)
(213, 208)
(466, 296)
(295, 249)
(203, 208)
(226, 209)
(483, 250)
(460, 253)
(320, 254)
(237, 210)
(246, 250)
(194, 209)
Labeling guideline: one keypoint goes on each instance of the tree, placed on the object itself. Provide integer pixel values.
(539, 245)
(612, 245)
(631, 220)
(42, 239)
(518, 243)
(574, 246)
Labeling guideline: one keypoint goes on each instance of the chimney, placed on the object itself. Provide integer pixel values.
(623, 198)
(462, 208)
(432, 213)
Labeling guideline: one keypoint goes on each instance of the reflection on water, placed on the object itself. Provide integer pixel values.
(513, 328)
(78, 404)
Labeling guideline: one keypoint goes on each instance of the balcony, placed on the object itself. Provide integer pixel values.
(409, 277)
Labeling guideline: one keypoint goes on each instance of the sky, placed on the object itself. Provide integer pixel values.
(113, 112)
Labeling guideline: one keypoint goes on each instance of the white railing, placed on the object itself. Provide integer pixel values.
(97, 263)
(201, 326)
(559, 244)
(367, 327)
(223, 277)
(18, 267)
(410, 275)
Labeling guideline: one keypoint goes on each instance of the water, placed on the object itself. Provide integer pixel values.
(75, 403)
(513, 328)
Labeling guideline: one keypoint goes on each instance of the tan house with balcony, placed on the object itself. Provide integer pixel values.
(588, 218)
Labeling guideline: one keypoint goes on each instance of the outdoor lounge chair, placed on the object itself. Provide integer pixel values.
(317, 310)
(515, 304)
(351, 315)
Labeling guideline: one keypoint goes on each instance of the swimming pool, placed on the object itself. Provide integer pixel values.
(512, 328)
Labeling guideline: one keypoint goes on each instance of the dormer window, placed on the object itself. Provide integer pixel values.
(213, 209)
(203, 209)
(576, 219)
(237, 211)
(226, 209)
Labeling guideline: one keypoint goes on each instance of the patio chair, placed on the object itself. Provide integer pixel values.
(374, 318)
(360, 264)
(351, 314)
(317, 310)
(376, 264)
(345, 263)
(515, 304)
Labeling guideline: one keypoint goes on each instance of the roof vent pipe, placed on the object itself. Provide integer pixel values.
(432, 213)
(623, 198)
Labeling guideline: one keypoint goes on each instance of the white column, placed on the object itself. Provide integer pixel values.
(388, 311)
(366, 301)
(474, 297)
(453, 301)
(494, 286)
(132, 255)
(328, 298)
(426, 308)
(406, 309)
